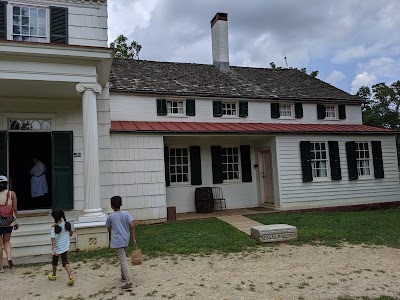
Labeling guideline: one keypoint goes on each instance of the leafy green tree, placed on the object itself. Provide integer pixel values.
(304, 70)
(123, 50)
(381, 106)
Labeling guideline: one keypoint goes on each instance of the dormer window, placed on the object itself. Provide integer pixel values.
(229, 109)
(286, 111)
(331, 112)
(175, 107)
(29, 24)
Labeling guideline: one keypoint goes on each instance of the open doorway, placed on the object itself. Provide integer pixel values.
(266, 177)
(22, 148)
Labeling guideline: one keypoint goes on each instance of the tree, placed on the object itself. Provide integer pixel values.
(313, 74)
(381, 107)
(123, 50)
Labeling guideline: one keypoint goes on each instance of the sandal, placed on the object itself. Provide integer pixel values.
(1, 270)
(10, 264)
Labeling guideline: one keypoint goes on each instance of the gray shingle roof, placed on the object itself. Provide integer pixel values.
(191, 80)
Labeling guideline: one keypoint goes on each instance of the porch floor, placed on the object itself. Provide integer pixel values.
(226, 212)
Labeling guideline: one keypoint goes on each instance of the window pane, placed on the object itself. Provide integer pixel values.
(16, 29)
(25, 11)
(16, 10)
(42, 13)
(16, 20)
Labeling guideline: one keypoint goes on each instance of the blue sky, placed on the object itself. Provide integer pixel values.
(351, 42)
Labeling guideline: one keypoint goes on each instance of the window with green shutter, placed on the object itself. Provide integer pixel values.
(3, 20)
(298, 110)
(377, 158)
(305, 152)
(195, 165)
(352, 160)
(275, 112)
(161, 107)
(217, 108)
(190, 107)
(243, 109)
(58, 25)
(334, 160)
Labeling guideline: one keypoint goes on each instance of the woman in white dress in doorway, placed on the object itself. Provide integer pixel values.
(38, 179)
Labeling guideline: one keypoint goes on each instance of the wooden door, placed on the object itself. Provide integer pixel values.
(63, 175)
(266, 177)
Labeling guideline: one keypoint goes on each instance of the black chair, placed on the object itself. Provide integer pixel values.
(218, 197)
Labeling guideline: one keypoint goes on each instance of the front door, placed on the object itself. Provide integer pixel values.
(55, 150)
(266, 177)
(33, 190)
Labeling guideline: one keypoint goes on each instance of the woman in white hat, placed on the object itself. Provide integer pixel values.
(8, 209)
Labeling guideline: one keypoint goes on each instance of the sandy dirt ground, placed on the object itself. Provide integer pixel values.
(280, 272)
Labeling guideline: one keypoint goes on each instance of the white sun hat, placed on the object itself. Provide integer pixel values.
(3, 178)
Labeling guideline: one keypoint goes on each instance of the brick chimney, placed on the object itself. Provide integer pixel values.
(220, 47)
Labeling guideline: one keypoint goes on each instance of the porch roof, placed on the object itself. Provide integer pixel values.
(245, 128)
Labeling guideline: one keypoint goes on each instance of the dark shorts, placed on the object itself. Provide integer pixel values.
(4, 230)
(64, 259)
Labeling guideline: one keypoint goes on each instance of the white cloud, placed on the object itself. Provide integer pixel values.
(334, 77)
(362, 79)
(381, 67)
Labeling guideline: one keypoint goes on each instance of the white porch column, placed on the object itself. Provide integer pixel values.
(92, 211)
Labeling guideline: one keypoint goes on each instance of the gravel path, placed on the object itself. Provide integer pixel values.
(280, 272)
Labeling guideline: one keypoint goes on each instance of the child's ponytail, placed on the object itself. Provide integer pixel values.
(67, 224)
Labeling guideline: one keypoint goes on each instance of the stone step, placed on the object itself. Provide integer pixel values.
(240, 222)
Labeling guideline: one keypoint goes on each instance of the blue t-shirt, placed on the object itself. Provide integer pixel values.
(120, 231)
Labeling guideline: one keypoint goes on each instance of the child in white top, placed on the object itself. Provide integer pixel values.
(60, 233)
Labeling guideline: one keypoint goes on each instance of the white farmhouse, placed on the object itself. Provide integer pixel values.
(153, 132)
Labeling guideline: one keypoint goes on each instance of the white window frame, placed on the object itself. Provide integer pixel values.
(314, 160)
(291, 105)
(177, 101)
(335, 107)
(236, 108)
(10, 28)
(359, 159)
(233, 163)
(176, 165)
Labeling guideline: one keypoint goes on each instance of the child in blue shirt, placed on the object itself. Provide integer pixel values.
(60, 233)
(120, 223)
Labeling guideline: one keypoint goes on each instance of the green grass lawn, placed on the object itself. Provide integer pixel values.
(182, 237)
(374, 227)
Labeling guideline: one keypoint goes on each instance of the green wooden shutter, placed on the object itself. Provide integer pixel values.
(245, 159)
(166, 164)
(195, 165)
(217, 108)
(3, 20)
(342, 112)
(275, 113)
(352, 160)
(58, 25)
(161, 107)
(190, 107)
(216, 158)
(321, 111)
(3, 153)
(243, 109)
(377, 157)
(306, 161)
(298, 110)
(334, 160)
(62, 172)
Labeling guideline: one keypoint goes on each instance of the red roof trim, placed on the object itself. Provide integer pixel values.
(247, 128)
